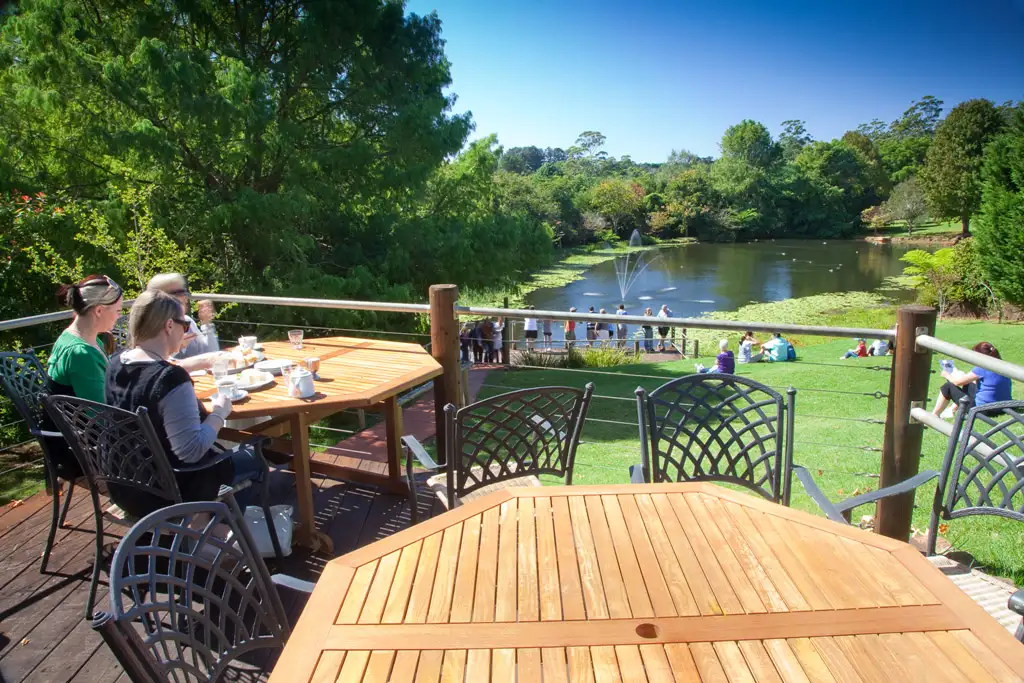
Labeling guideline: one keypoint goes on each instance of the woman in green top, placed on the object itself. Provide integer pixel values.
(78, 364)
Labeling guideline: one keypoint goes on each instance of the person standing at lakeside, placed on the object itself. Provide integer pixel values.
(591, 330)
(604, 330)
(546, 328)
(621, 329)
(648, 332)
(477, 339)
(570, 331)
(663, 331)
(487, 338)
(498, 339)
(530, 331)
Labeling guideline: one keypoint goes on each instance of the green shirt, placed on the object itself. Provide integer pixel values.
(77, 367)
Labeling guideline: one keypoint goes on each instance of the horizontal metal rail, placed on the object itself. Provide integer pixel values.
(935, 422)
(697, 323)
(997, 365)
(342, 304)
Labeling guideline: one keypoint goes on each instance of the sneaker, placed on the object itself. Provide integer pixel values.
(699, 367)
(947, 414)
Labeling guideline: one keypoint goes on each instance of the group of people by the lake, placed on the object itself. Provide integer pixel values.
(165, 345)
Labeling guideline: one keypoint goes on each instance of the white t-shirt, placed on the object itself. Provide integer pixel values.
(879, 348)
(746, 351)
(664, 313)
(530, 324)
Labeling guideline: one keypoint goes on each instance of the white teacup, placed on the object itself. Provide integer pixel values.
(300, 383)
(228, 386)
(247, 343)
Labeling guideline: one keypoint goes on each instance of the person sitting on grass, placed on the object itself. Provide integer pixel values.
(774, 350)
(746, 347)
(860, 352)
(725, 362)
(980, 386)
(879, 347)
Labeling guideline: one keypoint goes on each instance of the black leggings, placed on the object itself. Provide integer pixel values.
(954, 393)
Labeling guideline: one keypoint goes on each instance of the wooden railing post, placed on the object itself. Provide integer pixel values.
(506, 338)
(901, 447)
(444, 347)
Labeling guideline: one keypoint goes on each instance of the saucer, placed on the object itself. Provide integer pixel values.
(240, 394)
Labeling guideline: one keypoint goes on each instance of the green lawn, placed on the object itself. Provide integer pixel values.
(927, 229)
(843, 453)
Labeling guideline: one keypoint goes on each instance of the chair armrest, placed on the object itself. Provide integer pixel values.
(44, 434)
(816, 494)
(1016, 602)
(293, 583)
(905, 486)
(415, 448)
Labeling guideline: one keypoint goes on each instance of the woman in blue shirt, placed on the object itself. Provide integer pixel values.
(980, 385)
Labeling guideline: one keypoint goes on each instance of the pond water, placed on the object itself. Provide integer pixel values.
(696, 279)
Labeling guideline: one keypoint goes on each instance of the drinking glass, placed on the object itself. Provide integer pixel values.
(287, 367)
(295, 337)
(313, 365)
(247, 343)
(220, 368)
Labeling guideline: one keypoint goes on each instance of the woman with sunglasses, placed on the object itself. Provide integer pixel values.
(144, 377)
(196, 343)
(78, 364)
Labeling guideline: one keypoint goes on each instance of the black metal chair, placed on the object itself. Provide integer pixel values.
(26, 383)
(122, 456)
(188, 601)
(982, 472)
(717, 427)
(519, 434)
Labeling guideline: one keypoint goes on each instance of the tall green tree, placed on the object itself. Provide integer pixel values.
(907, 203)
(794, 137)
(750, 142)
(951, 176)
(999, 230)
(619, 201)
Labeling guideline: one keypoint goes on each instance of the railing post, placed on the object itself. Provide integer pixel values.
(444, 347)
(506, 339)
(901, 447)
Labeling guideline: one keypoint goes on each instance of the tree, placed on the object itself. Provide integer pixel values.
(867, 148)
(522, 160)
(750, 141)
(951, 176)
(999, 229)
(588, 144)
(907, 203)
(904, 145)
(794, 137)
(620, 202)
(919, 120)
(934, 274)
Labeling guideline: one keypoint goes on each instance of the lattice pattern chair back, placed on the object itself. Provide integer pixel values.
(530, 431)
(983, 470)
(718, 427)
(118, 449)
(190, 577)
(26, 383)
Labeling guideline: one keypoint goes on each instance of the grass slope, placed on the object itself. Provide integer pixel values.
(838, 431)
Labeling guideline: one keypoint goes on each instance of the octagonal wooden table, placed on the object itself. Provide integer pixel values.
(354, 373)
(654, 582)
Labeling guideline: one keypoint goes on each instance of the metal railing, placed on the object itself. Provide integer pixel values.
(996, 365)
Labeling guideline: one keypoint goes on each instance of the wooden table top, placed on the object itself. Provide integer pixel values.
(354, 373)
(653, 582)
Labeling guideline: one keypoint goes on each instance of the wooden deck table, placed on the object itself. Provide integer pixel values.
(655, 582)
(354, 373)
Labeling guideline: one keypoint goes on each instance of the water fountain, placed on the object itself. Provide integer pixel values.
(628, 268)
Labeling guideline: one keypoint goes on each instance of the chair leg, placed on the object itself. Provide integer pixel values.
(67, 504)
(98, 559)
(55, 521)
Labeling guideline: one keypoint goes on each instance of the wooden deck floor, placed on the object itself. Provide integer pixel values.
(43, 636)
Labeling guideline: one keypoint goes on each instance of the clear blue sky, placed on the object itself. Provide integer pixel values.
(653, 76)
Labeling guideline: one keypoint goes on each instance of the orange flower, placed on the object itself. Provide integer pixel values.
(40, 194)
(943, 528)
(25, 197)
(58, 210)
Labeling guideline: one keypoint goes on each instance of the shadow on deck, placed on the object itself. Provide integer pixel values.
(43, 635)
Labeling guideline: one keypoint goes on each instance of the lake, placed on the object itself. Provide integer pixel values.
(696, 279)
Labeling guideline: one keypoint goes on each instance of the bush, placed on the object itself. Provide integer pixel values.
(578, 358)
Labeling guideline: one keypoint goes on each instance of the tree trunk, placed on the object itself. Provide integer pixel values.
(965, 221)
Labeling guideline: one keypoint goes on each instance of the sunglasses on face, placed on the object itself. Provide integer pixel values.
(185, 324)
(179, 292)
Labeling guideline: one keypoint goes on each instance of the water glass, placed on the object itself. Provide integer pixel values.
(313, 365)
(295, 337)
(220, 368)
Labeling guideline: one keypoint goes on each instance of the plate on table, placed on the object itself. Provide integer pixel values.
(251, 380)
(272, 366)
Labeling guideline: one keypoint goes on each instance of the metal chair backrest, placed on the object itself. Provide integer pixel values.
(119, 332)
(26, 383)
(118, 450)
(186, 599)
(718, 427)
(983, 469)
(524, 432)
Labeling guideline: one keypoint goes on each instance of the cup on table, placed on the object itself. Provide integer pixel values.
(246, 343)
(295, 337)
(227, 386)
(313, 365)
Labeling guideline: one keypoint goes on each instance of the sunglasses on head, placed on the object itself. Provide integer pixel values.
(105, 282)
(185, 324)
(179, 292)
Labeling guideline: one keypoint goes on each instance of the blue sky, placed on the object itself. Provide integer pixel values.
(654, 76)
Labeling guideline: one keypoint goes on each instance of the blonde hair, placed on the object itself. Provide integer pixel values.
(723, 344)
(165, 282)
(150, 312)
